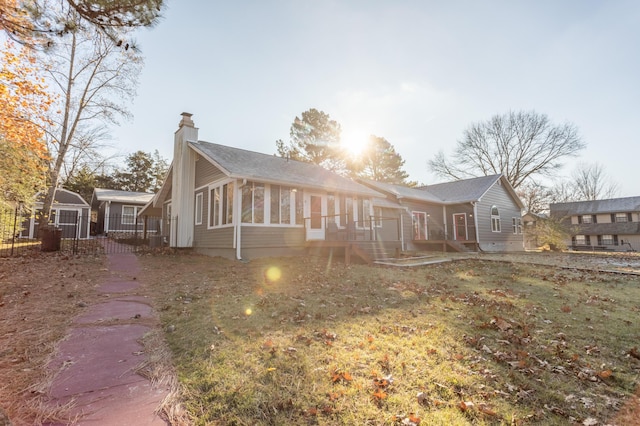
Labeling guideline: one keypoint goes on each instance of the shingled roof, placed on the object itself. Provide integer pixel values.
(613, 205)
(243, 164)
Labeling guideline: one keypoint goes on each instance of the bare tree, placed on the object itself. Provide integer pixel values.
(534, 196)
(520, 145)
(94, 79)
(591, 182)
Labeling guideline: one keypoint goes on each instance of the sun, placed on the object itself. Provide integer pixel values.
(355, 141)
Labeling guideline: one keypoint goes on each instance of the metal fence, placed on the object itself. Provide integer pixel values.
(78, 234)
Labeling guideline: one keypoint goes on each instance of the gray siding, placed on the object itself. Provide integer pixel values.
(218, 238)
(206, 173)
(505, 240)
(272, 237)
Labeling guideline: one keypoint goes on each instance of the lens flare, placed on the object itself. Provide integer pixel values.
(248, 311)
(273, 274)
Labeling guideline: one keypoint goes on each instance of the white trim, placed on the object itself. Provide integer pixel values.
(198, 212)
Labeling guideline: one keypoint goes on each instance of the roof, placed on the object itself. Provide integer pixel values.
(63, 197)
(463, 191)
(460, 191)
(613, 205)
(243, 164)
(115, 195)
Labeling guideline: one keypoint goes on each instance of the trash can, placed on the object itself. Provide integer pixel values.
(51, 238)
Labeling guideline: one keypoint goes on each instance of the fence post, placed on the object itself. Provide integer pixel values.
(13, 236)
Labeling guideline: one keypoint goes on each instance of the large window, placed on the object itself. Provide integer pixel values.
(586, 219)
(495, 219)
(299, 207)
(129, 214)
(253, 202)
(581, 240)
(198, 207)
(364, 211)
(280, 204)
(331, 208)
(221, 205)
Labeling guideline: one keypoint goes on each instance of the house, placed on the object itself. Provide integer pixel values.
(480, 213)
(116, 211)
(69, 212)
(241, 204)
(612, 224)
(531, 223)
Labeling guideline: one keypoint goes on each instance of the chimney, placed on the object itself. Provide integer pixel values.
(183, 183)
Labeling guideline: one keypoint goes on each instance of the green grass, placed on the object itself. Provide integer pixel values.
(297, 341)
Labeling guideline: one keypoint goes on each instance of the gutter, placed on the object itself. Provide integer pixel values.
(237, 200)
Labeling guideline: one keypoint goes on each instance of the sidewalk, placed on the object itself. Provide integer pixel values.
(96, 362)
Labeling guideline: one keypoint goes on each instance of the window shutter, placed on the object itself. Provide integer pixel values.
(613, 218)
(594, 218)
(579, 219)
(615, 240)
(573, 240)
(587, 239)
(599, 240)
(629, 217)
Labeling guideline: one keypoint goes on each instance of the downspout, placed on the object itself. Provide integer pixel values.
(237, 200)
(107, 213)
(475, 222)
(444, 220)
(402, 231)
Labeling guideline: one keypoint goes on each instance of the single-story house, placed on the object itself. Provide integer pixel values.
(241, 204)
(69, 212)
(612, 224)
(117, 211)
(479, 213)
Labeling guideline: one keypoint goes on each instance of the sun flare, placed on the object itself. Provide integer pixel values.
(355, 142)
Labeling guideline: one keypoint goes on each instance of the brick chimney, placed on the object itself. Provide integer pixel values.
(182, 188)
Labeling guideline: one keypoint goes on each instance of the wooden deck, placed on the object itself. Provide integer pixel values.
(368, 251)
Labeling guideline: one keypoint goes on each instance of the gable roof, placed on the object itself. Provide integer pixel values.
(456, 192)
(613, 205)
(117, 196)
(243, 164)
(63, 196)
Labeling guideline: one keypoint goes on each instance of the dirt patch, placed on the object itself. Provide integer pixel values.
(39, 296)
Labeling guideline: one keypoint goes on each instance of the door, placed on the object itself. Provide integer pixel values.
(460, 225)
(315, 223)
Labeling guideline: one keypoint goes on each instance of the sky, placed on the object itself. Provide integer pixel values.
(417, 73)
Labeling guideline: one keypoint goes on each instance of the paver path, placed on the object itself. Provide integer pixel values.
(96, 364)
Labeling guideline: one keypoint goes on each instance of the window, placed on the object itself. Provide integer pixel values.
(495, 219)
(586, 219)
(221, 205)
(253, 202)
(419, 220)
(198, 207)
(608, 240)
(280, 204)
(581, 240)
(299, 206)
(377, 213)
(364, 211)
(517, 225)
(331, 208)
(621, 217)
(129, 214)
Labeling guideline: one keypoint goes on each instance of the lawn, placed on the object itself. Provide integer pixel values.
(310, 341)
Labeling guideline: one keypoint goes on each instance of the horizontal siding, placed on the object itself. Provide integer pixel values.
(271, 236)
(214, 238)
(206, 173)
(505, 240)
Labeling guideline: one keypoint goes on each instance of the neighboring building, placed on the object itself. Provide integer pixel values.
(530, 224)
(241, 204)
(612, 224)
(117, 211)
(480, 213)
(69, 212)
